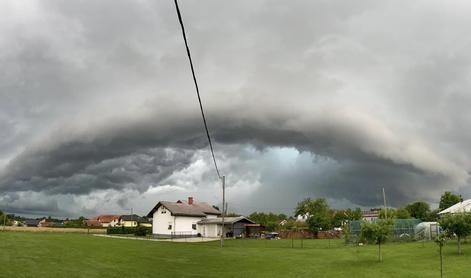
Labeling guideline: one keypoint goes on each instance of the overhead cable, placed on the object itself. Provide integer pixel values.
(197, 88)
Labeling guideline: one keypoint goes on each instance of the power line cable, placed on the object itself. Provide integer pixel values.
(196, 86)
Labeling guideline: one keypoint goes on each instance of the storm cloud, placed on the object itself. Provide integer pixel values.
(306, 99)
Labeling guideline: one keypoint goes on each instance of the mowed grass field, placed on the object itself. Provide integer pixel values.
(24, 254)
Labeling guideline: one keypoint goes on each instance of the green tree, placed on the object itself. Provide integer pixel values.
(319, 221)
(402, 213)
(303, 207)
(433, 215)
(355, 214)
(419, 210)
(269, 220)
(458, 224)
(391, 213)
(448, 199)
(377, 232)
(352, 214)
(340, 217)
(320, 217)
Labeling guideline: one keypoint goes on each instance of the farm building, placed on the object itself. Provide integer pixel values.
(464, 206)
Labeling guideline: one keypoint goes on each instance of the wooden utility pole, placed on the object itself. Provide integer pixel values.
(385, 207)
(223, 178)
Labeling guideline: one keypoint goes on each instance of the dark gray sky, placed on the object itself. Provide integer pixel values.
(333, 99)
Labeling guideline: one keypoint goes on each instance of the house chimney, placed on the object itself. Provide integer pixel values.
(190, 200)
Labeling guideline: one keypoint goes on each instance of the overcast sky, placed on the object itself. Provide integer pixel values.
(334, 99)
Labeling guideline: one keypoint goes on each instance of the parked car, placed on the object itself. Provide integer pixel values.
(272, 235)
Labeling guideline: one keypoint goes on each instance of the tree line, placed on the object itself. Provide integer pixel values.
(319, 216)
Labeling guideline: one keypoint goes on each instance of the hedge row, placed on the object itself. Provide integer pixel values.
(138, 231)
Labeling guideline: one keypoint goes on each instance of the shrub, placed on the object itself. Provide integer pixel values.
(141, 231)
(138, 231)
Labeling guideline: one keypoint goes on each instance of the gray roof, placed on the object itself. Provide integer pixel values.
(204, 207)
(32, 222)
(134, 217)
(182, 208)
(227, 220)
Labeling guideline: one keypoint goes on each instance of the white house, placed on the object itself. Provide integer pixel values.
(302, 217)
(464, 206)
(180, 218)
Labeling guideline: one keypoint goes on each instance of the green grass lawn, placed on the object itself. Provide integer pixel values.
(25, 254)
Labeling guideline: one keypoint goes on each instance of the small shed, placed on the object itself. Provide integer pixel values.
(427, 230)
(233, 226)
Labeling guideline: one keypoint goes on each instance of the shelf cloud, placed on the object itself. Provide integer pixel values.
(310, 99)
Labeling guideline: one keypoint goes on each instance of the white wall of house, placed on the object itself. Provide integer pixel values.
(162, 219)
(129, 223)
(211, 216)
(210, 230)
(184, 225)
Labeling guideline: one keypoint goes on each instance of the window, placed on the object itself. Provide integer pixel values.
(193, 226)
(163, 211)
(169, 226)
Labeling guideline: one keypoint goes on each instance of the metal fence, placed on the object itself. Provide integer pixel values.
(401, 230)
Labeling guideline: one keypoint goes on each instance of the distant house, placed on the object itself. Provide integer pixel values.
(134, 220)
(370, 215)
(180, 218)
(32, 222)
(104, 220)
(464, 206)
(46, 223)
(92, 223)
(302, 217)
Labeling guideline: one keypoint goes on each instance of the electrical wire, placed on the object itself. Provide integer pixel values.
(196, 86)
